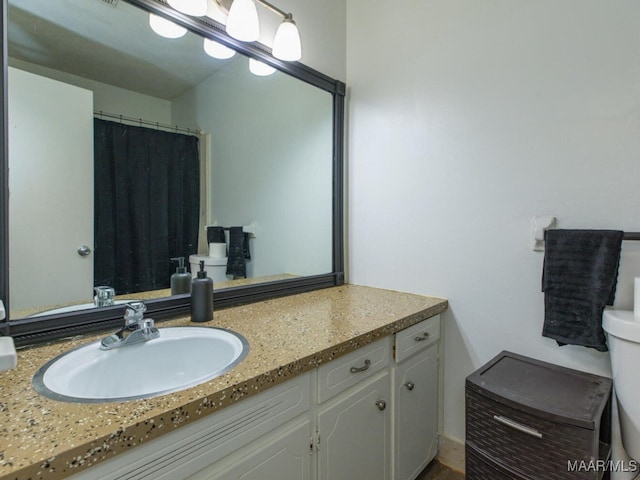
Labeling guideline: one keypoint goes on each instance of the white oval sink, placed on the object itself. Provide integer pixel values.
(179, 358)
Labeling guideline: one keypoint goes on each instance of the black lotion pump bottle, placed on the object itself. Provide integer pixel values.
(202, 297)
(181, 280)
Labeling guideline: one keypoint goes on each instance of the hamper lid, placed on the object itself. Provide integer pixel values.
(542, 388)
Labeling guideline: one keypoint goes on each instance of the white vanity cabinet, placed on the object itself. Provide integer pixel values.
(354, 415)
(354, 433)
(195, 449)
(350, 432)
(284, 454)
(415, 407)
(363, 416)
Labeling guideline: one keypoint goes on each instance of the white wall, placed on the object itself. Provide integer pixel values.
(271, 156)
(469, 118)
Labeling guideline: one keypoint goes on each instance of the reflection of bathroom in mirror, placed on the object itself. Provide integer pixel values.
(263, 157)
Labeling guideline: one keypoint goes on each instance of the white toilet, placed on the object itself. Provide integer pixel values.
(623, 333)
(216, 267)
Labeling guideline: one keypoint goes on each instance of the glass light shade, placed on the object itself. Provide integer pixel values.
(165, 28)
(260, 69)
(217, 50)
(242, 22)
(286, 44)
(217, 12)
(196, 8)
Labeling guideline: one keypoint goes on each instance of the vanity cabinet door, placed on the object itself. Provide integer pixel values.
(354, 433)
(285, 454)
(415, 413)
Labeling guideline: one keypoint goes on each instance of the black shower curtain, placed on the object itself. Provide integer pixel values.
(147, 194)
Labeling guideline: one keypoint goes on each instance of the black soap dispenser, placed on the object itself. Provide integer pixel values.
(202, 297)
(181, 280)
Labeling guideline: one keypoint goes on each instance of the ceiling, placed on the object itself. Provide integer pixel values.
(110, 44)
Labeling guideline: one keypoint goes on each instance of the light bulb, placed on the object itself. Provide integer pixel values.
(217, 50)
(196, 8)
(286, 44)
(165, 28)
(259, 68)
(242, 22)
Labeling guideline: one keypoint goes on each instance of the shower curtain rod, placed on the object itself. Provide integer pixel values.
(631, 236)
(141, 122)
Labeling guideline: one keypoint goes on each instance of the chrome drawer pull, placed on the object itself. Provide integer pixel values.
(517, 426)
(422, 339)
(410, 385)
(367, 364)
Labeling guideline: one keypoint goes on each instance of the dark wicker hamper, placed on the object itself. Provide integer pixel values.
(528, 419)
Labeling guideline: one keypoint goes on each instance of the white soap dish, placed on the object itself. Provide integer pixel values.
(8, 355)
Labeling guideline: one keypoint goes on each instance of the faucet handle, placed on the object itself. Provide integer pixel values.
(134, 312)
(104, 296)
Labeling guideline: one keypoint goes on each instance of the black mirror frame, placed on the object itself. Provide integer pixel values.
(31, 331)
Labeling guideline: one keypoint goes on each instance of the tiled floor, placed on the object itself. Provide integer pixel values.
(437, 471)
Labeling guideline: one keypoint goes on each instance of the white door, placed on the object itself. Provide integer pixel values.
(416, 413)
(281, 456)
(355, 433)
(50, 191)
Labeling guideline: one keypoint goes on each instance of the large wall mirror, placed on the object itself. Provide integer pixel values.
(125, 149)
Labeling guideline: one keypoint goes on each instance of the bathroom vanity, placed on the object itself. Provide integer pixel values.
(335, 380)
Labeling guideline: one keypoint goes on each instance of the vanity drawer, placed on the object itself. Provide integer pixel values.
(478, 469)
(340, 374)
(416, 338)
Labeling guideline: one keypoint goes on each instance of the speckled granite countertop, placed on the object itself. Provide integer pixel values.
(47, 439)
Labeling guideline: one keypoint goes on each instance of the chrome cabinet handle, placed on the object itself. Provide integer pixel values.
(423, 338)
(517, 426)
(367, 364)
(410, 385)
(84, 250)
(381, 404)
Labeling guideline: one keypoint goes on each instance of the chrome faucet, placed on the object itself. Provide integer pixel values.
(136, 329)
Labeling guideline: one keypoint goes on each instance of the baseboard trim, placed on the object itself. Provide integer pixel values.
(451, 453)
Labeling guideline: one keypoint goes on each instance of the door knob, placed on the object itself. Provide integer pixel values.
(84, 250)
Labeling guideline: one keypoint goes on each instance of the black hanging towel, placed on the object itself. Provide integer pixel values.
(215, 235)
(238, 252)
(578, 279)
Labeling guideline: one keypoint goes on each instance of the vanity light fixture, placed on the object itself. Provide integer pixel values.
(286, 44)
(217, 50)
(196, 8)
(243, 22)
(259, 68)
(165, 28)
